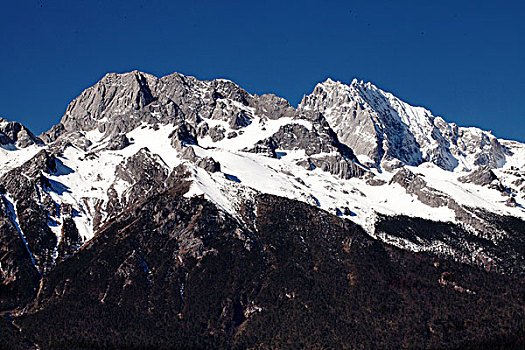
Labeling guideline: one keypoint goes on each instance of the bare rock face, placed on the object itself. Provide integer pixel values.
(511, 202)
(415, 184)
(14, 134)
(116, 96)
(217, 133)
(239, 120)
(483, 176)
(265, 147)
(337, 165)
(142, 166)
(182, 135)
(376, 124)
(359, 126)
(53, 134)
(295, 136)
(118, 142)
(188, 153)
(75, 138)
(144, 172)
(120, 103)
(315, 141)
(142, 175)
(207, 163)
(274, 107)
(71, 239)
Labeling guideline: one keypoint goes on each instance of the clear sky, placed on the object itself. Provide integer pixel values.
(464, 60)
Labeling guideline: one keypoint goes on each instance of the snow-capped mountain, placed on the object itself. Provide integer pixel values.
(123, 137)
(354, 151)
(380, 128)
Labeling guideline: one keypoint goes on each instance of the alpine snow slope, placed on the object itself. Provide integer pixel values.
(408, 178)
(340, 150)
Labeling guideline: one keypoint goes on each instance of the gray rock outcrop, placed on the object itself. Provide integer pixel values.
(482, 176)
(336, 165)
(14, 134)
(118, 142)
(207, 163)
(415, 184)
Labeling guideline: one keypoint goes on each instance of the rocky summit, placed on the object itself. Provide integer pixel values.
(177, 213)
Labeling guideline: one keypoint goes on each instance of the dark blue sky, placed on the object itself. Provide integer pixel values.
(465, 60)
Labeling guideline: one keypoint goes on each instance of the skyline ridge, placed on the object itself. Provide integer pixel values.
(294, 104)
(463, 61)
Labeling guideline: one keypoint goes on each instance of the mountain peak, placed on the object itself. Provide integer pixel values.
(14, 134)
(380, 128)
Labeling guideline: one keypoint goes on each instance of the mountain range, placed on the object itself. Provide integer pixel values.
(173, 213)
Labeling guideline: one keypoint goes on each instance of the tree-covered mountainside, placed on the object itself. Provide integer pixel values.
(174, 272)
